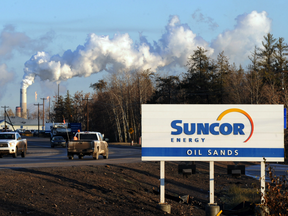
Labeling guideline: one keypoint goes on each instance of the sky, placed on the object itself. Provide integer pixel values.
(77, 43)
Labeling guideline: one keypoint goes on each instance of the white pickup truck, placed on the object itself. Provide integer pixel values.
(88, 143)
(11, 143)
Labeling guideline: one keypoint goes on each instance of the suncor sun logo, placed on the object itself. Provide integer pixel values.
(214, 128)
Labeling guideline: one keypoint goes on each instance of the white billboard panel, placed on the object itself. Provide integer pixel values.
(212, 132)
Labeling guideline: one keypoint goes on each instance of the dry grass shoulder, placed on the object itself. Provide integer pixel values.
(120, 189)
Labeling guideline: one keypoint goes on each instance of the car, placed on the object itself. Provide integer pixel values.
(11, 143)
(20, 131)
(58, 141)
(27, 133)
(88, 143)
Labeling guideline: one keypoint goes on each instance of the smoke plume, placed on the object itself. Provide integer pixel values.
(115, 55)
(120, 53)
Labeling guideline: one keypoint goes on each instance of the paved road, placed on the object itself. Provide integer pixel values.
(40, 154)
(278, 170)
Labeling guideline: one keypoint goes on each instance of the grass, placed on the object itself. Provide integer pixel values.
(236, 194)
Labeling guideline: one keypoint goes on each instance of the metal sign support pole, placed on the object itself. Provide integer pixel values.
(212, 208)
(162, 205)
(211, 182)
(162, 181)
(262, 181)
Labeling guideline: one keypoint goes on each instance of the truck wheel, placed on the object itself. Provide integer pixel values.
(1, 156)
(96, 155)
(106, 153)
(23, 154)
(71, 157)
(15, 153)
(52, 146)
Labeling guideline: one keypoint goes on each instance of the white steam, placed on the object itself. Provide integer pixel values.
(119, 53)
(115, 55)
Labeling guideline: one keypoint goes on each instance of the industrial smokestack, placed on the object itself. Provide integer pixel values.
(23, 102)
(18, 111)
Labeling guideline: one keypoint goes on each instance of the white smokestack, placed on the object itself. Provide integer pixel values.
(23, 102)
(18, 111)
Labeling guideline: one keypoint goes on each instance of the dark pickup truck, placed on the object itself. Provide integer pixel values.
(87, 143)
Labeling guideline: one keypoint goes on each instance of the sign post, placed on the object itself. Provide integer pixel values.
(212, 133)
(162, 182)
(262, 179)
(211, 173)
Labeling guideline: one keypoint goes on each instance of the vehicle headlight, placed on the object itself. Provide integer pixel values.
(12, 144)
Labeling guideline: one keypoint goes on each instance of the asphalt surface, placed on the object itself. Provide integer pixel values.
(40, 154)
(278, 171)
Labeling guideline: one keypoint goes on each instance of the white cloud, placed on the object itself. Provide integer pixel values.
(199, 17)
(6, 77)
(248, 33)
(11, 40)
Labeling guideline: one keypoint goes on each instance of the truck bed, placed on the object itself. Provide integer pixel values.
(80, 146)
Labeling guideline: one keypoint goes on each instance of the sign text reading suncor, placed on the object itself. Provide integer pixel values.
(210, 128)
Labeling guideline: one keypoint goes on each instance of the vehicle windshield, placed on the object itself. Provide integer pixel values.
(58, 138)
(7, 136)
(88, 136)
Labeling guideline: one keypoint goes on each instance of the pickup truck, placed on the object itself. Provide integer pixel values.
(88, 143)
(11, 143)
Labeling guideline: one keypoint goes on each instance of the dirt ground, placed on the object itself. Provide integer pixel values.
(121, 189)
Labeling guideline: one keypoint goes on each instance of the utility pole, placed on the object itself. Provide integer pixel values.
(87, 123)
(49, 109)
(43, 112)
(5, 115)
(38, 115)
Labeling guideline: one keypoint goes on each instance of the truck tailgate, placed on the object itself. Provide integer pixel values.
(80, 146)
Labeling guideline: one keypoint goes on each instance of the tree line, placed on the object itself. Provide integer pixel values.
(114, 107)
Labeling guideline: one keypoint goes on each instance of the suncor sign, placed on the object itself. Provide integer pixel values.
(214, 128)
(213, 132)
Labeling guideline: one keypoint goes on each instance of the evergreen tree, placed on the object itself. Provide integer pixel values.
(223, 69)
(199, 83)
(99, 86)
(59, 109)
(281, 61)
(254, 78)
(166, 90)
(68, 103)
(267, 58)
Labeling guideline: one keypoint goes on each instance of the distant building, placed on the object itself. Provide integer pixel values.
(21, 123)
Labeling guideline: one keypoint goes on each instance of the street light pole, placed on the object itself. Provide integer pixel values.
(49, 108)
(5, 115)
(43, 112)
(38, 115)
